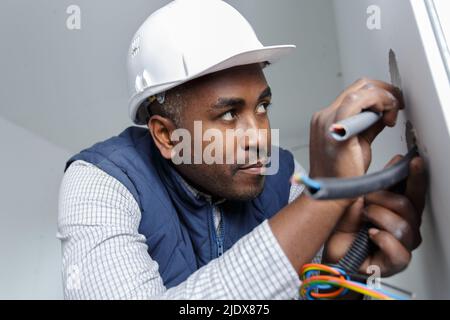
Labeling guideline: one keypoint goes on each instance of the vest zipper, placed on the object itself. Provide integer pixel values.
(219, 238)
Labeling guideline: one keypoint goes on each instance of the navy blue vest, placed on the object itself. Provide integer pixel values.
(178, 226)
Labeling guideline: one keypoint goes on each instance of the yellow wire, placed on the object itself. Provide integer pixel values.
(345, 284)
(332, 280)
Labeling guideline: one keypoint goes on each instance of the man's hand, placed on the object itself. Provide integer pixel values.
(304, 225)
(396, 219)
(330, 158)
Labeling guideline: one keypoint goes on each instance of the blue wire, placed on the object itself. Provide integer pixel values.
(311, 183)
(394, 296)
(325, 286)
(347, 277)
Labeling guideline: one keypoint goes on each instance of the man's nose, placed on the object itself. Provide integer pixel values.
(255, 138)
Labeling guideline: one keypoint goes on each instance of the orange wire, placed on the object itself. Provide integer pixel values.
(340, 281)
(329, 270)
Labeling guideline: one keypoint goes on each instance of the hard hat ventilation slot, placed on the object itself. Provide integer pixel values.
(186, 72)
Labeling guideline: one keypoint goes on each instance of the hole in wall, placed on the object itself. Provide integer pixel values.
(410, 133)
(394, 70)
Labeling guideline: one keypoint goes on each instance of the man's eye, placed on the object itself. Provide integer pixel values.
(262, 108)
(229, 116)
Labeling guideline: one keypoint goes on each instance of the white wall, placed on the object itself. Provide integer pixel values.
(61, 91)
(31, 169)
(364, 52)
(77, 79)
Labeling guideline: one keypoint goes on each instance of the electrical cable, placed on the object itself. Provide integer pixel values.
(348, 188)
(317, 278)
(352, 126)
(358, 252)
(337, 282)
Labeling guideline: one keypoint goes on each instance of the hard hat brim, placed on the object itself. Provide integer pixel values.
(269, 54)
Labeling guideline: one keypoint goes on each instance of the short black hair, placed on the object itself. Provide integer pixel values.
(171, 108)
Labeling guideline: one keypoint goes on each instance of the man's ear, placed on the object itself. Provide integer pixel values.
(161, 128)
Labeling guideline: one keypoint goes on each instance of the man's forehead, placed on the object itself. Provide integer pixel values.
(246, 82)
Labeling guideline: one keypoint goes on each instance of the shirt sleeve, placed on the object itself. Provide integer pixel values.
(295, 192)
(105, 257)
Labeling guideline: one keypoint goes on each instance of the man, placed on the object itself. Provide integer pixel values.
(137, 223)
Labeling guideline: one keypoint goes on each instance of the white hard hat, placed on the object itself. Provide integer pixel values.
(187, 39)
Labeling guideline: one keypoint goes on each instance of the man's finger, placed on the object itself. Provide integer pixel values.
(392, 89)
(399, 204)
(375, 99)
(392, 256)
(368, 83)
(393, 161)
(355, 86)
(371, 133)
(416, 185)
(352, 220)
(399, 227)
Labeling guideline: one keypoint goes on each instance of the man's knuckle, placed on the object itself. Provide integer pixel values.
(408, 258)
(403, 204)
(363, 81)
(403, 229)
(401, 261)
(316, 117)
(351, 97)
(383, 240)
(418, 240)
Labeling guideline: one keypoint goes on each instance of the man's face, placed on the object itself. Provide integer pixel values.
(234, 99)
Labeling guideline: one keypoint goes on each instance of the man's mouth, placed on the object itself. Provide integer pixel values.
(258, 168)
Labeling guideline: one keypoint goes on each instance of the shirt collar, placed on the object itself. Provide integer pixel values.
(198, 194)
